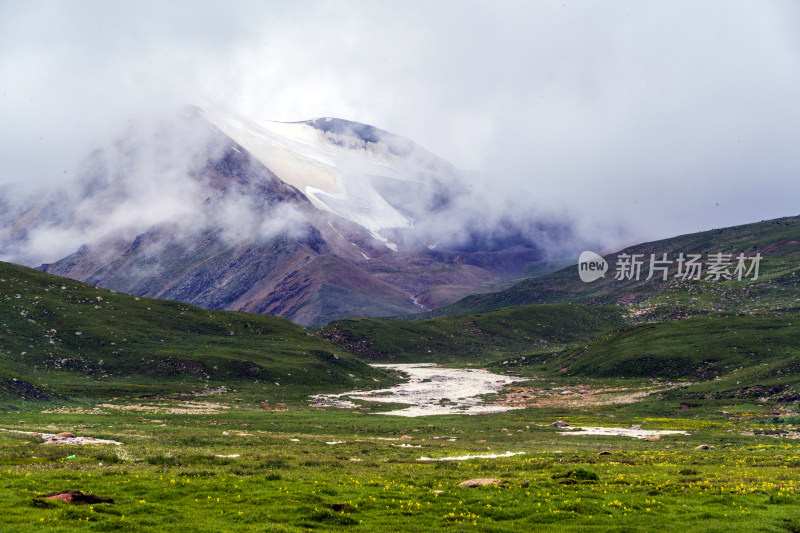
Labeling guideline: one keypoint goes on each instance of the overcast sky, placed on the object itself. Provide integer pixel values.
(659, 117)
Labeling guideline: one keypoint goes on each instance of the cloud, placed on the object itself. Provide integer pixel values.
(171, 181)
(654, 118)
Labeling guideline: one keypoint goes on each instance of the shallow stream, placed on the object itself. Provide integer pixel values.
(430, 390)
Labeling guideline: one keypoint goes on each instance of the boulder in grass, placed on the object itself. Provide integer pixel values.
(65, 435)
(76, 496)
(559, 424)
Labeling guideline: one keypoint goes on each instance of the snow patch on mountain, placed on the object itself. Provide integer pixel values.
(334, 170)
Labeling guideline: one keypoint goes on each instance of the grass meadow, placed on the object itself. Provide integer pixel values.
(234, 466)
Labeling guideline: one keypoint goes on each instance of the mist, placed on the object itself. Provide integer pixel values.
(159, 177)
(633, 121)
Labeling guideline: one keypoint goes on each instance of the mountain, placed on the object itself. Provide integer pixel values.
(311, 221)
(60, 338)
(775, 289)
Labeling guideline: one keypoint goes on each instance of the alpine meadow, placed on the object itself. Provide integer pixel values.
(405, 267)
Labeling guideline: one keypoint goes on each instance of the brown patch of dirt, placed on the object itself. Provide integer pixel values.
(779, 245)
(571, 397)
(276, 407)
(183, 408)
(482, 482)
(73, 411)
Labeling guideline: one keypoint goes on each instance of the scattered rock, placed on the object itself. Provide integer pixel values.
(480, 482)
(438, 492)
(406, 437)
(63, 438)
(76, 496)
(466, 457)
(622, 432)
(559, 424)
(637, 427)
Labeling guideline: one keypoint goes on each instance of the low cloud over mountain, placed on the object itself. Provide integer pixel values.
(310, 220)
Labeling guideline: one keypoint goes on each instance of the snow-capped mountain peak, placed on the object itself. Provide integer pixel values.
(329, 162)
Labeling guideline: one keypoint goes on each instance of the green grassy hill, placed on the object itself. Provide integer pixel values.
(60, 338)
(777, 286)
(698, 347)
(718, 356)
(729, 338)
(478, 337)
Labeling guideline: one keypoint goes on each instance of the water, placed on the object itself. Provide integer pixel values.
(430, 390)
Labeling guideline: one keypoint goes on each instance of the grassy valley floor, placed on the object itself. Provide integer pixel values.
(222, 463)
